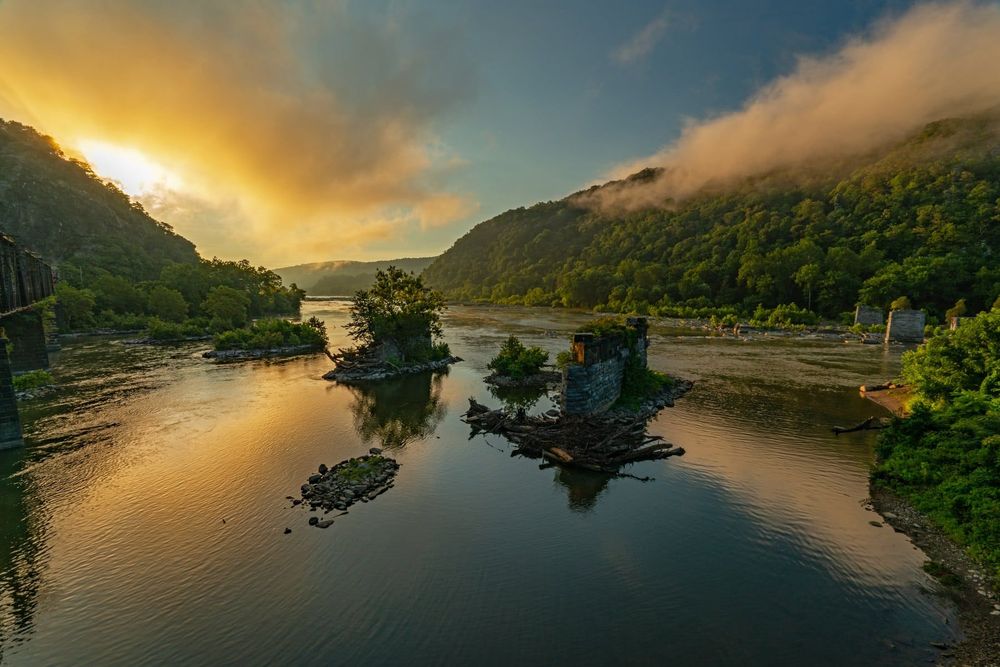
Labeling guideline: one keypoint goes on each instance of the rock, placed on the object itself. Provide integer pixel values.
(374, 451)
(323, 469)
(875, 523)
(287, 530)
(297, 501)
(325, 523)
(313, 520)
(889, 515)
(314, 478)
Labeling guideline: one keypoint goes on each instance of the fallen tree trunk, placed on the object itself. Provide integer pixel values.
(870, 424)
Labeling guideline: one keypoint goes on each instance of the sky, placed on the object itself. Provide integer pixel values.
(309, 131)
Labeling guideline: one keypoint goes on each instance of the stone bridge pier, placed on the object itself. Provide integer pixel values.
(10, 420)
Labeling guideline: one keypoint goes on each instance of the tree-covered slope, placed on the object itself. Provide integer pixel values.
(339, 277)
(57, 207)
(921, 219)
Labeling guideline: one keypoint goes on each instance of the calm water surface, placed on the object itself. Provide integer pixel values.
(143, 523)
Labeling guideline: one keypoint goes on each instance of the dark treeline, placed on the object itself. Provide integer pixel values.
(921, 221)
(118, 267)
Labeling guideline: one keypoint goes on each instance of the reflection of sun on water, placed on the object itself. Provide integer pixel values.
(135, 172)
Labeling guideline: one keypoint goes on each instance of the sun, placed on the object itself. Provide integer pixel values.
(132, 170)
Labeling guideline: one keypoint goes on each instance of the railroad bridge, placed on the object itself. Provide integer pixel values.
(24, 281)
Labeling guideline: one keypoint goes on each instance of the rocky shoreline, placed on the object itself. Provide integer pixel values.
(385, 371)
(240, 355)
(169, 341)
(966, 583)
(360, 479)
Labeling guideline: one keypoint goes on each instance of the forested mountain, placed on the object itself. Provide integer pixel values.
(58, 208)
(920, 219)
(119, 267)
(341, 277)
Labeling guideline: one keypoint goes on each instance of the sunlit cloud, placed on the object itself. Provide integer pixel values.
(642, 43)
(935, 61)
(244, 124)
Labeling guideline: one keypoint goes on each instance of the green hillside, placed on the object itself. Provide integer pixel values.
(57, 207)
(341, 277)
(920, 219)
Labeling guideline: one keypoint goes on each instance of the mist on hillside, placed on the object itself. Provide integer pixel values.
(936, 61)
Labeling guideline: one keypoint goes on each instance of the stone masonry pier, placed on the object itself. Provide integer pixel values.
(593, 382)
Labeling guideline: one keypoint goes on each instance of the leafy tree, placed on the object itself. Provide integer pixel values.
(399, 310)
(167, 304)
(77, 304)
(806, 277)
(958, 310)
(902, 303)
(117, 294)
(227, 307)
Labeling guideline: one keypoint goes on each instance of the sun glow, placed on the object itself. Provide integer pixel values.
(133, 171)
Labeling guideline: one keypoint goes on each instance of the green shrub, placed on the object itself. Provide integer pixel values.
(273, 333)
(517, 361)
(32, 380)
(945, 457)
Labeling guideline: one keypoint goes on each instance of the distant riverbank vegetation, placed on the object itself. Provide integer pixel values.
(187, 300)
(269, 334)
(918, 220)
(945, 457)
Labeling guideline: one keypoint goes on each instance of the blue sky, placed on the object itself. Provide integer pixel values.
(553, 109)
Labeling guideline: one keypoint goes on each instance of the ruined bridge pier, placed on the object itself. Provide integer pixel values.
(24, 281)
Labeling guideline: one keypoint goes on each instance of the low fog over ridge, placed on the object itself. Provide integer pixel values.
(935, 61)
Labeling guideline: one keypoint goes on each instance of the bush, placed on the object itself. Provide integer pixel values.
(945, 457)
(956, 361)
(32, 380)
(517, 361)
(272, 333)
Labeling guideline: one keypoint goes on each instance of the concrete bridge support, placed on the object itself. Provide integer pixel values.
(10, 421)
(27, 335)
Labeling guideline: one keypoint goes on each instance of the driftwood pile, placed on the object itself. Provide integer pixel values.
(593, 442)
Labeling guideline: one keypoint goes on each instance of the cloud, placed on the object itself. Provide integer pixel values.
(641, 44)
(293, 118)
(935, 61)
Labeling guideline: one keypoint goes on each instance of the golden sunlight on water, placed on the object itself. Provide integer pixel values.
(144, 523)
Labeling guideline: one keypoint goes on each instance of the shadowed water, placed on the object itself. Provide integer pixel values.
(144, 522)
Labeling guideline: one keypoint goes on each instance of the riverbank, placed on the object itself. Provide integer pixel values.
(964, 581)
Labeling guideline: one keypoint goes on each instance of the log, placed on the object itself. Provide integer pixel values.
(867, 425)
(560, 454)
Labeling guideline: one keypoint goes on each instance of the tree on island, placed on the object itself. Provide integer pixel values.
(398, 316)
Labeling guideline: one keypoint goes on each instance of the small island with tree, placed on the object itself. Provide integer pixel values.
(397, 326)
(516, 365)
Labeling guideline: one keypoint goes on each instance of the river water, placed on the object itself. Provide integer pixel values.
(144, 522)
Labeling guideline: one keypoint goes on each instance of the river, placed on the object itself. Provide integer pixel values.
(144, 522)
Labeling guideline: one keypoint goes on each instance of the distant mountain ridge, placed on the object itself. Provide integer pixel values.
(343, 277)
(920, 219)
(57, 207)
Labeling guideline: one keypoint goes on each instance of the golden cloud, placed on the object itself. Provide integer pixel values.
(304, 119)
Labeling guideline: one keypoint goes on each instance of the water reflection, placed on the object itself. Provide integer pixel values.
(396, 412)
(517, 398)
(583, 487)
(19, 558)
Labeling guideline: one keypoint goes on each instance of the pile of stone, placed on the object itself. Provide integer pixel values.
(360, 479)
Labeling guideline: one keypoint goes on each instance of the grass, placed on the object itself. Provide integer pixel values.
(32, 380)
